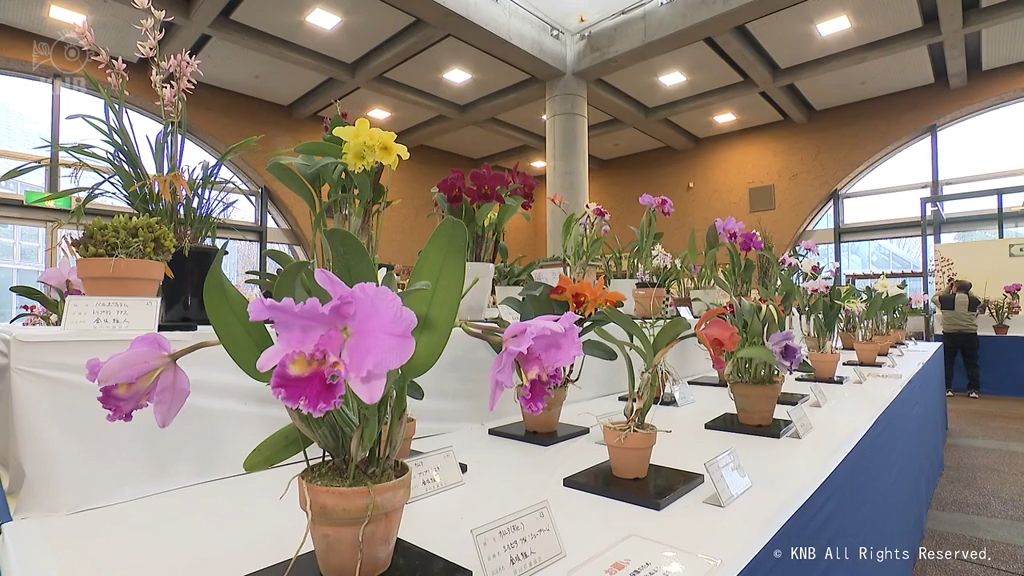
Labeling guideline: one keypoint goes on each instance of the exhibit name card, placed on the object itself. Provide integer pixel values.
(548, 276)
(109, 313)
(522, 543)
(728, 477)
(434, 472)
(683, 393)
(861, 376)
(801, 422)
(638, 556)
(819, 395)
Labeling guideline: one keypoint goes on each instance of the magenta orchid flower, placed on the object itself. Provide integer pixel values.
(541, 347)
(145, 373)
(750, 241)
(788, 354)
(63, 277)
(1014, 288)
(810, 246)
(647, 201)
(917, 299)
(729, 230)
(787, 261)
(819, 286)
(352, 341)
(663, 204)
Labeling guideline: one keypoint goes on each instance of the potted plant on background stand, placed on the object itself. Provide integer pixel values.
(824, 307)
(1006, 307)
(510, 277)
(620, 269)
(48, 309)
(655, 265)
(697, 273)
(485, 202)
(125, 256)
(859, 313)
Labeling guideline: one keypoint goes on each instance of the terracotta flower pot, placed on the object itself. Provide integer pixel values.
(1001, 329)
(867, 351)
(120, 276)
(755, 403)
(847, 340)
(884, 342)
(629, 452)
(811, 342)
(647, 302)
(337, 516)
(825, 364)
(899, 336)
(546, 421)
(410, 431)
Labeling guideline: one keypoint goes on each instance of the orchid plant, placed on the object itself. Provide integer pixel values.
(1007, 306)
(345, 357)
(485, 202)
(48, 310)
(819, 301)
(583, 237)
(653, 261)
(152, 179)
(747, 338)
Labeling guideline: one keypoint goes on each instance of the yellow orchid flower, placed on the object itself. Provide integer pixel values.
(358, 132)
(389, 151)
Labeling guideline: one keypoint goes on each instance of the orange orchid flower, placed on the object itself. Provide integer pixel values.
(717, 335)
(585, 297)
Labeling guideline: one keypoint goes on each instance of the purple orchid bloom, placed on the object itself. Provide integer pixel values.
(819, 286)
(664, 205)
(1013, 288)
(787, 261)
(540, 347)
(146, 372)
(354, 340)
(729, 229)
(810, 246)
(63, 277)
(788, 354)
(647, 201)
(750, 241)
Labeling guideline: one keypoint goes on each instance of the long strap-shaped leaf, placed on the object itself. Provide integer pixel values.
(227, 308)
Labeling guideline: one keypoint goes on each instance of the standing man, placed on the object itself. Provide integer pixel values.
(960, 310)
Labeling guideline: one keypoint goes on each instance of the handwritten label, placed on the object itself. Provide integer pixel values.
(638, 556)
(819, 395)
(801, 421)
(548, 276)
(683, 393)
(519, 544)
(728, 477)
(434, 472)
(103, 313)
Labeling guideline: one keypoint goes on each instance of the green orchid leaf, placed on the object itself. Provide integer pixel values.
(227, 308)
(757, 353)
(277, 448)
(598, 349)
(414, 390)
(319, 148)
(287, 174)
(350, 260)
(633, 329)
(289, 282)
(670, 332)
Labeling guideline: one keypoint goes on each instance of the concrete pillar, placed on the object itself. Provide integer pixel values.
(567, 171)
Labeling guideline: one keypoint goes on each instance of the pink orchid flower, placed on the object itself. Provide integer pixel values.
(145, 373)
(63, 277)
(542, 347)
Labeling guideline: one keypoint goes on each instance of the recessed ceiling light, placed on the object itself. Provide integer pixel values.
(323, 18)
(378, 114)
(672, 78)
(544, 117)
(457, 76)
(65, 15)
(538, 163)
(725, 117)
(837, 24)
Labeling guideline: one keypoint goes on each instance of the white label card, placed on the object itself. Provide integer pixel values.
(819, 395)
(683, 393)
(728, 477)
(801, 421)
(110, 313)
(519, 544)
(548, 276)
(638, 556)
(434, 472)
(861, 376)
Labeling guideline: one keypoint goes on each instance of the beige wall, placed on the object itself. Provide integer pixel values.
(805, 162)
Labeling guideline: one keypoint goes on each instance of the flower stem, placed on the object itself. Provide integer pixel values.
(190, 349)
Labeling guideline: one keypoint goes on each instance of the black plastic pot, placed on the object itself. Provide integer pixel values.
(183, 294)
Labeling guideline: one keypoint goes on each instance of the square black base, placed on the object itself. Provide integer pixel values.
(864, 364)
(517, 431)
(811, 378)
(177, 327)
(792, 398)
(417, 453)
(662, 486)
(707, 381)
(409, 560)
(664, 400)
(728, 422)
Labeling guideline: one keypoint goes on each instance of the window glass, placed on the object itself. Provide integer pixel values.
(911, 165)
(242, 256)
(983, 144)
(24, 114)
(882, 256)
(22, 259)
(893, 206)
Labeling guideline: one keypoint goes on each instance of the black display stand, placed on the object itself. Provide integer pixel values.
(177, 327)
(728, 422)
(833, 380)
(707, 381)
(517, 431)
(417, 453)
(792, 398)
(863, 364)
(665, 400)
(409, 560)
(661, 487)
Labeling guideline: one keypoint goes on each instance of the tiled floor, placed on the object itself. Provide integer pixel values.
(979, 503)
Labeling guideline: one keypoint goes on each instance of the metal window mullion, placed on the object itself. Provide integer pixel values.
(263, 212)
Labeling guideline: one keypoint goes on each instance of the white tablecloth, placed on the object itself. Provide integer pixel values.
(63, 456)
(235, 526)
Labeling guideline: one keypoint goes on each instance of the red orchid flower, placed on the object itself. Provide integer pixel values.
(717, 335)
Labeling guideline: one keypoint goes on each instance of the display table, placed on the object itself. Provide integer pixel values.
(864, 476)
(999, 362)
(63, 456)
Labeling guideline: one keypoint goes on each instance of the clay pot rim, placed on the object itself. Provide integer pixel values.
(338, 489)
(621, 426)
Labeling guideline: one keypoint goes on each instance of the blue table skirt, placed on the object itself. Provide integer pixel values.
(876, 501)
(999, 361)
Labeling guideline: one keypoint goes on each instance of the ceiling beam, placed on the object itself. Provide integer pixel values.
(614, 102)
(259, 41)
(177, 9)
(496, 126)
(656, 29)
(183, 36)
(412, 40)
(429, 129)
(951, 23)
(502, 29)
(607, 127)
(500, 158)
(698, 101)
(521, 94)
(742, 52)
(978, 18)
